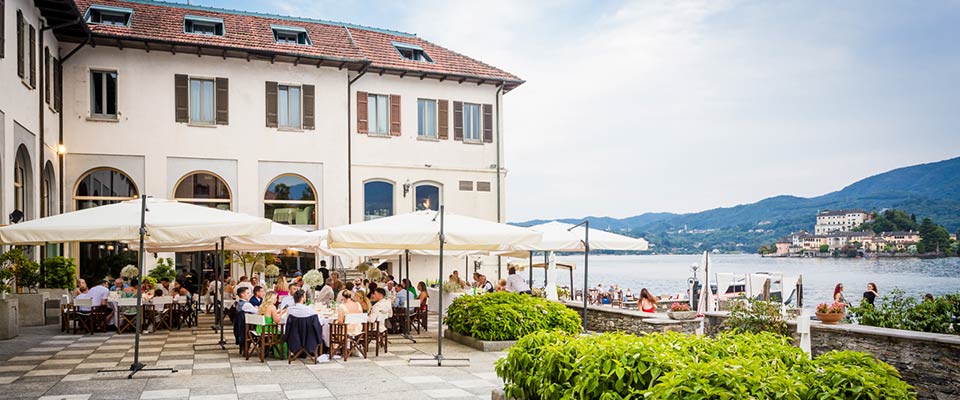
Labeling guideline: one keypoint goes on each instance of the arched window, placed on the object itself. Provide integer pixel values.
(99, 187)
(47, 192)
(377, 200)
(426, 196)
(21, 183)
(290, 200)
(203, 189)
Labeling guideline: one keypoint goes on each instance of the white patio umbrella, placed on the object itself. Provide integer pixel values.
(279, 237)
(559, 236)
(431, 230)
(151, 220)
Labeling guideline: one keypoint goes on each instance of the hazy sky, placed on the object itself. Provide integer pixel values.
(682, 106)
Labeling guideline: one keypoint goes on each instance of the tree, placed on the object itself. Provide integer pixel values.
(933, 237)
(249, 260)
(824, 248)
(763, 250)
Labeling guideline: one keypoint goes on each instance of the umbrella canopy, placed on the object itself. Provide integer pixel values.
(558, 236)
(421, 231)
(280, 237)
(563, 265)
(167, 221)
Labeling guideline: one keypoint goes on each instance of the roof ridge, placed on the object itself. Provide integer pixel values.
(266, 15)
(354, 44)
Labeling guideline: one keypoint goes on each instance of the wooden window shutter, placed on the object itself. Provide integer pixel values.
(57, 85)
(394, 115)
(271, 102)
(20, 49)
(443, 119)
(458, 120)
(46, 75)
(309, 107)
(488, 123)
(362, 121)
(33, 57)
(222, 86)
(180, 92)
(3, 28)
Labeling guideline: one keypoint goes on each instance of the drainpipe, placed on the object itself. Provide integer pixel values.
(497, 127)
(350, 82)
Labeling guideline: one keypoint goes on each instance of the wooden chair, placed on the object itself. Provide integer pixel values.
(308, 342)
(65, 309)
(617, 299)
(398, 321)
(419, 320)
(362, 339)
(253, 326)
(380, 337)
(163, 312)
(80, 318)
(338, 339)
(127, 321)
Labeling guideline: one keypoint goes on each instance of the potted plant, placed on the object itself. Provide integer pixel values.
(681, 311)
(830, 314)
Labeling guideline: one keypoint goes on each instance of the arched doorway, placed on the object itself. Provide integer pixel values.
(98, 187)
(206, 189)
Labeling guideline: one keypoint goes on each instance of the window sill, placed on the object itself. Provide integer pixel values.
(282, 129)
(103, 118)
(428, 138)
(201, 125)
(379, 135)
(26, 83)
(473, 142)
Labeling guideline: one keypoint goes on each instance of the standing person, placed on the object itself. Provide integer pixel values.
(838, 295)
(871, 294)
(648, 303)
(515, 283)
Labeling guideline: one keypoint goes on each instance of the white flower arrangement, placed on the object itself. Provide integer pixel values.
(313, 278)
(452, 287)
(272, 270)
(259, 268)
(130, 271)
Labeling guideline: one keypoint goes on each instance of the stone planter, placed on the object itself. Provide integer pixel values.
(9, 318)
(32, 308)
(682, 315)
(482, 345)
(830, 318)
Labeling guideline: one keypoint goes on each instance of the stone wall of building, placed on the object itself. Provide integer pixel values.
(928, 361)
(609, 319)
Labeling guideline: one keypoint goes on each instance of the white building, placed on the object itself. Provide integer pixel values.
(829, 221)
(306, 122)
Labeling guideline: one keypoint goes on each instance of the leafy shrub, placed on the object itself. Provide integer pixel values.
(164, 269)
(508, 316)
(61, 273)
(898, 311)
(755, 316)
(25, 271)
(556, 365)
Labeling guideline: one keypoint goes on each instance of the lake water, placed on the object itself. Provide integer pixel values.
(667, 274)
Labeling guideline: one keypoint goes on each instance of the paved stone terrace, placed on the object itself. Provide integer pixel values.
(44, 363)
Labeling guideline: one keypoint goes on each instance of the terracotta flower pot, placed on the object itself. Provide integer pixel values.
(682, 315)
(830, 318)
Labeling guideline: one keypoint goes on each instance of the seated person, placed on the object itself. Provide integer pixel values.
(84, 294)
(381, 310)
(288, 301)
(257, 298)
(299, 309)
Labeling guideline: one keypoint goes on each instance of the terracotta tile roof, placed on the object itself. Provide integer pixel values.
(157, 21)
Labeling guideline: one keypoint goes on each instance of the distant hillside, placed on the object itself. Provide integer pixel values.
(927, 190)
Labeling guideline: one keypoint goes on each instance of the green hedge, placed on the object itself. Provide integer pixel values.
(508, 316)
(899, 311)
(554, 365)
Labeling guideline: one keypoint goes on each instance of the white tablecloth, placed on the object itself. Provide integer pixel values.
(433, 300)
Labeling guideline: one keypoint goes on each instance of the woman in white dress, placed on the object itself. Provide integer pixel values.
(348, 306)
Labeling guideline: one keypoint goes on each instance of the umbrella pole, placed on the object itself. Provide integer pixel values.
(530, 270)
(223, 343)
(137, 366)
(439, 356)
(406, 315)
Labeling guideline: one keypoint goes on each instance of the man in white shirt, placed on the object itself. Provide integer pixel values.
(100, 293)
(326, 294)
(391, 292)
(244, 282)
(287, 301)
(165, 287)
(244, 303)
(84, 294)
(299, 309)
(515, 283)
(381, 309)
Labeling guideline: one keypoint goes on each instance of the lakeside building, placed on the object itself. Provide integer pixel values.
(867, 241)
(306, 122)
(829, 221)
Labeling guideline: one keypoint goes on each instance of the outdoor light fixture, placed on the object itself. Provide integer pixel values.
(101, 247)
(406, 188)
(109, 247)
(61, 149)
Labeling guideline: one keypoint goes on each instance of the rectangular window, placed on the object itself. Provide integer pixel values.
(103, 94)
(378, 112)
(288, 106)
(483, 186)
(412, 52)
(290, 35)
(203, 25)
(466, 186)
(105, 15)
(201, 101)
(471, 122)
(427, 118)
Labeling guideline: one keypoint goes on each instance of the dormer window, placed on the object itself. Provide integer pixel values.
(106, 15)
(290, 35)
(412, 52)
(203, 25)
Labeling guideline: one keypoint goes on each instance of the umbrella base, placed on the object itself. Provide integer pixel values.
(137, 367)
(439, 358)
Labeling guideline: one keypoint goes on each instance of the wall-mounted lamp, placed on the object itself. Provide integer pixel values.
(109, 247)
(61, 149)
(406, 188)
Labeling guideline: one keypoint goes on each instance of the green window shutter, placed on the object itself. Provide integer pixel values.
(308, 107)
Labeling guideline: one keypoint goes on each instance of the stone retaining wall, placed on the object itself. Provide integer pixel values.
(928, 361)
(609, 319)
